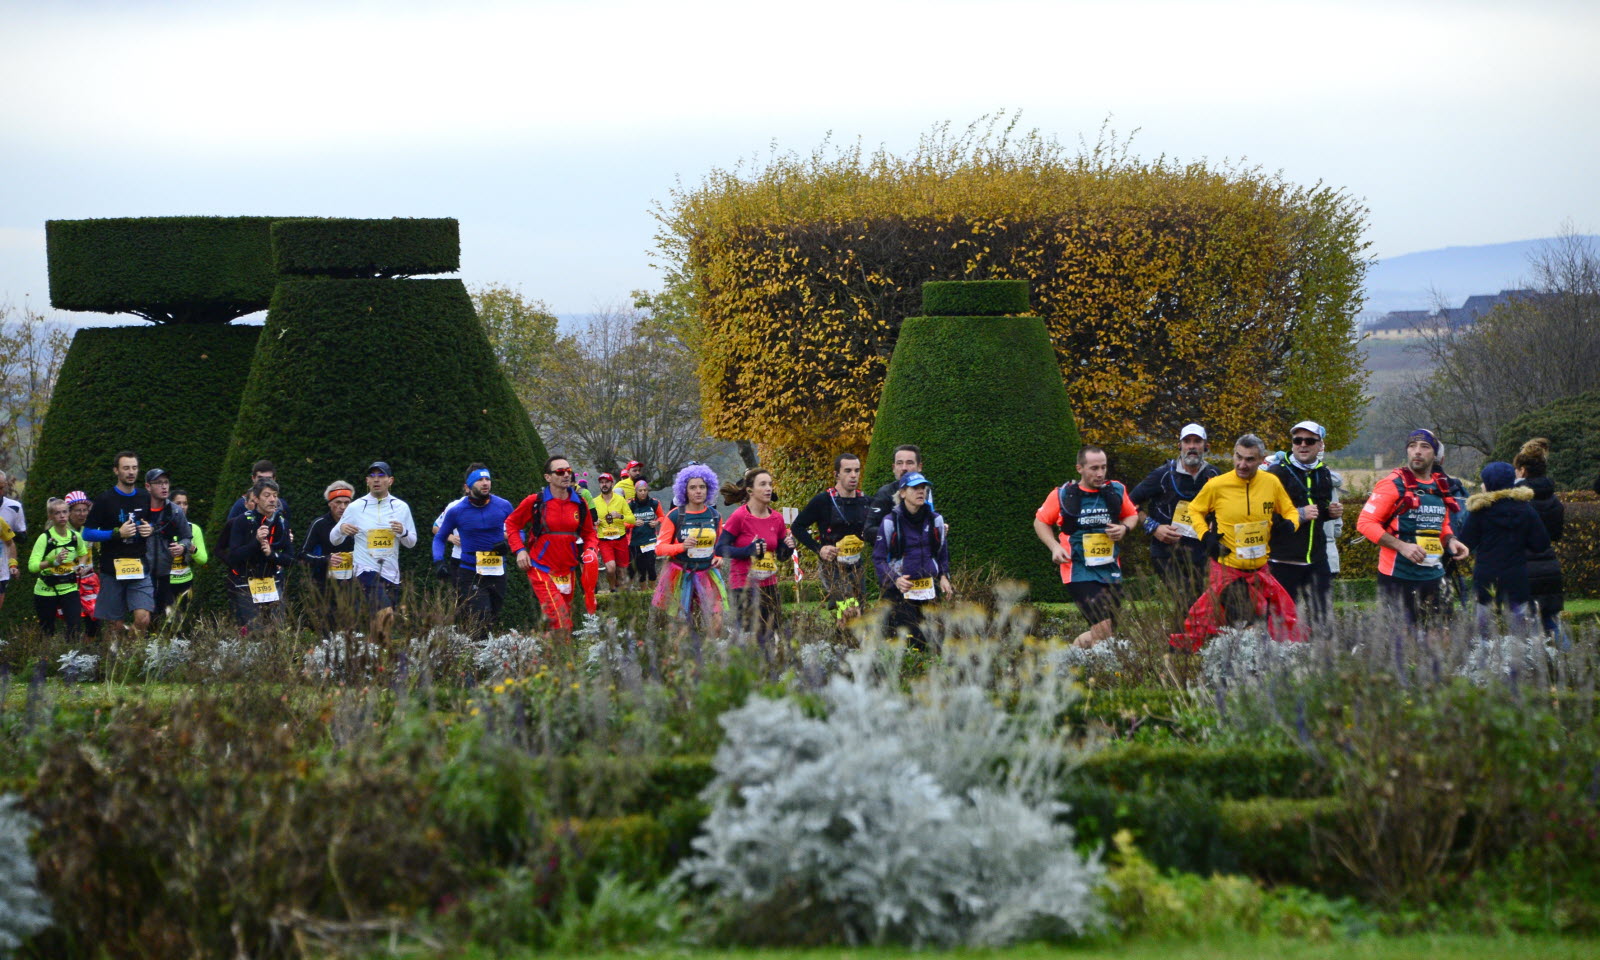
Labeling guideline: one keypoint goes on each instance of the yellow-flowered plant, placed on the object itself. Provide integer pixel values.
(1172, 292)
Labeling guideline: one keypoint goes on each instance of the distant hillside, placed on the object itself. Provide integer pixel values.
(1409, 281)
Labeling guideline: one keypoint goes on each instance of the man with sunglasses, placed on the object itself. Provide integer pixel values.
(550, 533)
(1301, 558)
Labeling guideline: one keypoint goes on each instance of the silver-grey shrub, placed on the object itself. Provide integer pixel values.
(924, 817)
(23, 909)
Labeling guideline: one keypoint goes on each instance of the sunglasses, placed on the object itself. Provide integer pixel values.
(1306, 441)
(562, 471)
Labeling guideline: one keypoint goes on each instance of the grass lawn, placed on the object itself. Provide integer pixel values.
(1367, 948)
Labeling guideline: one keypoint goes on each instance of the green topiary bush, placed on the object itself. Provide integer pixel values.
(974, 298)
(168, 393)
(983, 399)
(352, 371)
(366, 248)
(164, 269)
(1572, 425)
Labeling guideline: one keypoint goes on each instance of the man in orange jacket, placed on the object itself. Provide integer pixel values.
(1408, 517)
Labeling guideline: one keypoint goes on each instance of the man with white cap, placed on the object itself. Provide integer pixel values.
(1164, 496)
(1300, 558)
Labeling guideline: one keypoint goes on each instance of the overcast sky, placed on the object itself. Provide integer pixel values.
(548, 129)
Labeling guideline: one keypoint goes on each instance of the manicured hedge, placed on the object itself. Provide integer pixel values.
(165, 269)
(1177, 823)
(1237, 773)
(169, 394)
(1572, 425)
(983, 399)
(974, 298)
(353, 371)
(366, 248)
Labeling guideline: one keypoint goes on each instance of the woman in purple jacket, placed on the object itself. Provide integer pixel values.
(912, 556)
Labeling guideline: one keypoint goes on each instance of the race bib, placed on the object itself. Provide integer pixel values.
(563, 583)
(647, 547)
(491, 564)
(1433, 547)
(850, 549)
(342, 566)
(1182, 521)
(702, 543)
(181, 565)
(381, 541)
(764, 566)
(131, 569)
(263, 590)
(1250, 539)
(1098, 550)
(921, 589)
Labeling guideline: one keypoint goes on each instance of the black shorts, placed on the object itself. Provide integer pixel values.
(380, 593)
(1419, 600)
(1096, 601)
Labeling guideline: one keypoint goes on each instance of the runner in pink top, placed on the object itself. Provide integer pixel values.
(756, 542)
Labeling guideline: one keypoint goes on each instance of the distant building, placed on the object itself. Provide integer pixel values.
(1403, 324)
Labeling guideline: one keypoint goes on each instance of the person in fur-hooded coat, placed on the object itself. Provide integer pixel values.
(1502, 529)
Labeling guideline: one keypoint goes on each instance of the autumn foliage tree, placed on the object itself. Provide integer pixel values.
(1171, 292)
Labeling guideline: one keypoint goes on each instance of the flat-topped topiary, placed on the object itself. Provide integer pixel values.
(974, 298)
(355, 249)
(164, 269)
(982, 396)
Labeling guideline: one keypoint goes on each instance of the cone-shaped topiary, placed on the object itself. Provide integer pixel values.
(982, 397)
(353, 371)
(168, 393)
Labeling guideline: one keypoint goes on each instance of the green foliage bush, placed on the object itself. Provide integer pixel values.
(357, 249)
(165, 269)
(1572, 425)
(353, 371)
(1579, 548)
(975, 394)
(168, 393)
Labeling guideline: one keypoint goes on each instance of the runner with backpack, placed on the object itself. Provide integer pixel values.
(1408, 517)
(549, 532)
(692, 582)
(1164, 495)
(911, 552)
(1083, 523)
(1239, 510)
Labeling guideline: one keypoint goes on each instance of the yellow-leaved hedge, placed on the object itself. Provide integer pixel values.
(1172, 292)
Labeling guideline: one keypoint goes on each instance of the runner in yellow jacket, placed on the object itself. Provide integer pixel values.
(1238, 509)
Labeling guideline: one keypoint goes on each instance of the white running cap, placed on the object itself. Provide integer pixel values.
(1193, 430)
(1313, 426)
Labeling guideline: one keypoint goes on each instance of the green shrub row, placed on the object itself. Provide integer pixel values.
(1268, 838)
(358, 249)
(1233, 773)
(165, 269)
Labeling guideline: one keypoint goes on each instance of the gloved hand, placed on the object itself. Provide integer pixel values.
(441, 569)
(1215, 548)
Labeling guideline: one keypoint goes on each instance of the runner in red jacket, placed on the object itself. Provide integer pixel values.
(551, 555)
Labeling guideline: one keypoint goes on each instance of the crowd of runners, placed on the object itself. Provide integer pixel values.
(1255, 543)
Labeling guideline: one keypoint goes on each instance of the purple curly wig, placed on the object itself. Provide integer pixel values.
(680, 483)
